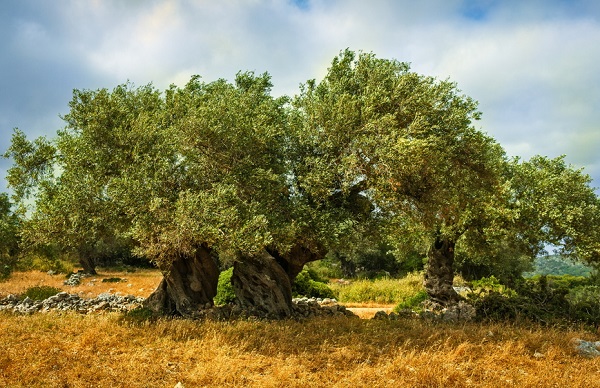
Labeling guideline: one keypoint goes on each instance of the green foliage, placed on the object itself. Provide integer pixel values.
(491, 285)
(111, 280)
(9, 237)
(225, 291)
(412, 302)
(46, 258)
(584, 295)
(558, 265)
(555, 205)
(308, 284)
(376, 261)
(546, 300)
(327, 268)
(372, 158)
(6, 268)
(138, 316)
(388, 291)
(40, 293)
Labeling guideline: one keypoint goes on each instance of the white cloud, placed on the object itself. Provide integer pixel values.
(532, 65)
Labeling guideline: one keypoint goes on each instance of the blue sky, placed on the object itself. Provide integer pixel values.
(532, 64)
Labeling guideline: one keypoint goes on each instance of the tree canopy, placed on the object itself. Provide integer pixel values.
(372, 155)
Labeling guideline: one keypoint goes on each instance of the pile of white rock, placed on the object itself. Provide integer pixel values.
(64, 301)
(315, 307)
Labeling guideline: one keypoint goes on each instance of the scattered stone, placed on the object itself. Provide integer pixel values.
(462, 289)
(75, 279)
(302, 308)
(64, 301)
(51, 272)
(381, 315)
(587, 349)
(459, 312)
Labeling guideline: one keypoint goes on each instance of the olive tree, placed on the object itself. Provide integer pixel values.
(405, 143)
(67, 178)
(556, 207)
(10, 224)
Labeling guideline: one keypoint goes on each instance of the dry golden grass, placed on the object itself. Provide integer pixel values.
(139, 283)
(367, 312)
(101, 350)
(70, 350)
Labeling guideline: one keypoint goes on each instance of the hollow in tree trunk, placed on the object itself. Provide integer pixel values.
(189, 284)
(261, 285)
(439, 275)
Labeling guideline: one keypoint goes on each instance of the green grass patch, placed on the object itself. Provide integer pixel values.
(40, 293)
(112, 280)
(385, 291)
(412, 302)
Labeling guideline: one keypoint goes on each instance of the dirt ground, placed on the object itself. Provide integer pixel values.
(369, 312)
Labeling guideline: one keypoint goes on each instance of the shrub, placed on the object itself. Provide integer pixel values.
(138, 316)
(40, 293)
(111, 280)
(491, 285)
(7, 265)
(412, 302)
(544, 299)
(45, 261)
(308, 284)
(328, 268)
(225, 292)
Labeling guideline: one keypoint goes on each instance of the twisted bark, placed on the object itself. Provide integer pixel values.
(262, 286)
(189, 284)
(439, 275)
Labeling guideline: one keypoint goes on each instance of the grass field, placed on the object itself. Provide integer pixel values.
(102, 350)
(139, 283)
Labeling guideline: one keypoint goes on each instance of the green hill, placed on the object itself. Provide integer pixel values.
(558, 265)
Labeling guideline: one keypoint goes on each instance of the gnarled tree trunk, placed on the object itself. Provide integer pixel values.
(262, 286)
(293, 262)
(439, 276)
(87, 263)
(188, 285)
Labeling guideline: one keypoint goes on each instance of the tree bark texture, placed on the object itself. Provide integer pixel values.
(88, 264)
(293, 262)
(261, 285)
(188, 285)
(439, 276)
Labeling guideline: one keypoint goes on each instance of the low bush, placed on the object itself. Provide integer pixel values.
(327, 268)
(45, 262)
(111, 280)
(40, 293)
(139, 315)
(308, 284)
(225, 292)
(412, 302)
(7, 265)
(543, 299)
